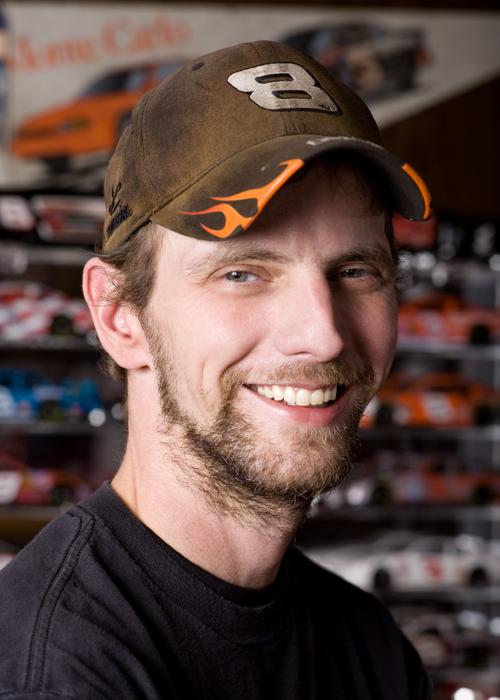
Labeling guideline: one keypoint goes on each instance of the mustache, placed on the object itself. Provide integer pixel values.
(334, 372)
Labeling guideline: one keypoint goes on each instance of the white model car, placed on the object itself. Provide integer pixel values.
(31, 310)
(410, 560)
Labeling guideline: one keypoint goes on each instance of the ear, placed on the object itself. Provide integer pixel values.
(117, 326)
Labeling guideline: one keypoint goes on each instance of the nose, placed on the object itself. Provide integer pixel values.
(310, 324)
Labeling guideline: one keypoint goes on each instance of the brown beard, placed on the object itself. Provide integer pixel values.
(239, 471)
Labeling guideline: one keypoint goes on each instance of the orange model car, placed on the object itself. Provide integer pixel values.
(439, 481)
(444, 317)
(433, 400)
(389, 478)
(92, 123)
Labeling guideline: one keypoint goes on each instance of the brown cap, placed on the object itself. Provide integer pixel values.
(206, 149)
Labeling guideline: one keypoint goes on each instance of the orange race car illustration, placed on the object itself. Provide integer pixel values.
(444, 317)
(443, 400)
(91, 123)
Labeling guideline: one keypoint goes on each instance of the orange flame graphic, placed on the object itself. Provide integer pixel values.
(426, 195)
(233, 219)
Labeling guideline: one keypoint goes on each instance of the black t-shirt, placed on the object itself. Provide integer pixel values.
(98, 607)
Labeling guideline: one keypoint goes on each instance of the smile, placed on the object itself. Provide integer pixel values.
(294, 396)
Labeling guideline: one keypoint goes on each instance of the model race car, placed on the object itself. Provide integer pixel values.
(62, 218)
(462, 639)
(446, 318)
(69, 219)
(22, 485)
(442, 400)
(28, 396)
(414, 479)
(31, 310)
(412, 560)
(444, 482)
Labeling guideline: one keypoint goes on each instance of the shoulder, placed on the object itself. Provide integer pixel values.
(31, 587)
(79, 608)
(362, 623)
(335, 596)
(337, 601)
(330, 588)
(37, 695)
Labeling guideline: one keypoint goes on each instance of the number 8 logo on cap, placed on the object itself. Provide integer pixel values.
(283, 86)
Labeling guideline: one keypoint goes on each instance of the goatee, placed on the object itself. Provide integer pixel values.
(242, 470)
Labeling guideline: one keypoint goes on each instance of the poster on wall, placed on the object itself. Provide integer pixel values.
(70, 74)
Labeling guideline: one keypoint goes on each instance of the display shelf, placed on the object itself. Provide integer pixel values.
(427, 267)
(21, 523)
(15, 258)
(399, 433)
(48, 428)
(451, 351)
(343, 523)
(467, 676)
(399, 513)
(446, 594)
(51, 343)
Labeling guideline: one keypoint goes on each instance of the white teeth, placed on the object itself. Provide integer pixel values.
(303, 397)
(278, 392)
(317, 397)
(298, 397)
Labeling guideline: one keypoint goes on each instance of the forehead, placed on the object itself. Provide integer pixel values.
(322, 211)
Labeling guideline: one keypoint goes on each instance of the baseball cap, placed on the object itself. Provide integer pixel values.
(209, 146)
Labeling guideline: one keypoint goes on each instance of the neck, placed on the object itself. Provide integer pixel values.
(244, 548)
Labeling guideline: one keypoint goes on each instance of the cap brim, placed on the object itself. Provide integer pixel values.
(226, 200)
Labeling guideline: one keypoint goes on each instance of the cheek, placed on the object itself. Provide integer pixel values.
(375, 324)
(208, 338)
(384, 332)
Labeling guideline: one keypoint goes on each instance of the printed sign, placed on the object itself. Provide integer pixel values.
(71, 73)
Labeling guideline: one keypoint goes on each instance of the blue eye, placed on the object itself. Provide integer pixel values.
(358, 278)
(239, 276)
(353, 272)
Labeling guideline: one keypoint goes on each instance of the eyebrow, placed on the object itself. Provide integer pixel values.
(376, 255)
(233, 257)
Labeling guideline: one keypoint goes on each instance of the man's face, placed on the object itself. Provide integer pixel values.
(267, 347)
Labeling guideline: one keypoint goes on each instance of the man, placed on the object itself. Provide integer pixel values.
(247, 290)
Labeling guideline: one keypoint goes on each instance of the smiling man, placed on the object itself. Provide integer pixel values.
(246, 291)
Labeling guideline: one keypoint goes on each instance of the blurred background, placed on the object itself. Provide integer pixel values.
(418, 522)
